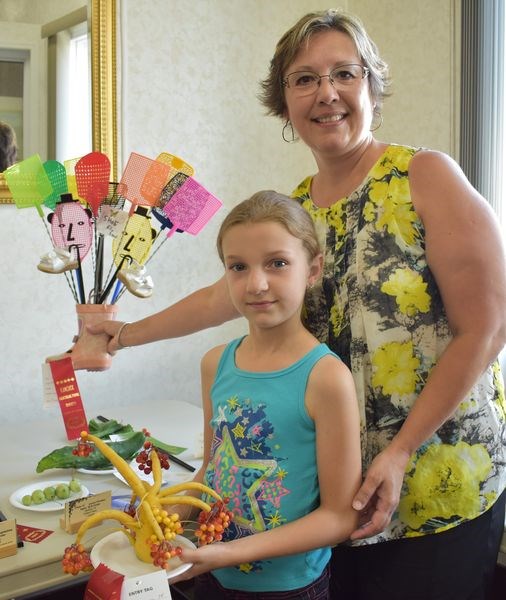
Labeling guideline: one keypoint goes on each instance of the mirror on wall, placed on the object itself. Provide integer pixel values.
(102, 27)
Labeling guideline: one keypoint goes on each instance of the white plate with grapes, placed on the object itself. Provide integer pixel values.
(47, 496)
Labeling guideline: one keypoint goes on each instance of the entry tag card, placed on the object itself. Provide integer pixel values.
(78, 510)
(152, 586)
(8, 538)
(69, 397)
(49, 393)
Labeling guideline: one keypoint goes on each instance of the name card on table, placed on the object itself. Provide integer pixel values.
(69, 397)
(152, 586)
(78, 510)
(8, 538)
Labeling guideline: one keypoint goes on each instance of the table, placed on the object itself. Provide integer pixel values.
(38, 566)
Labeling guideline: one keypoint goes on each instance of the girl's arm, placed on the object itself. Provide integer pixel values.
(208, 307)
(465, 253)
(332, 403)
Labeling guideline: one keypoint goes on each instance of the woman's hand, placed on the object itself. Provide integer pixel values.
(379, 494)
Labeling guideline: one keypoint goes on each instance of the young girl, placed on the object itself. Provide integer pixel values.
(281, 419)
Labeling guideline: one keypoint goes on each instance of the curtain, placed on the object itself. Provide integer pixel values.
(482, 134)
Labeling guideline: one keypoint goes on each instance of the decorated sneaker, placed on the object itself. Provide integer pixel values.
(57, 261)
(136, 281)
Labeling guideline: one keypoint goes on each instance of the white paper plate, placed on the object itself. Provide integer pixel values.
(97, 471)
(52, 505)
(175, 474)
(116, 552)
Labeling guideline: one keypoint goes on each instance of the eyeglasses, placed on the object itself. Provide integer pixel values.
(304, 83)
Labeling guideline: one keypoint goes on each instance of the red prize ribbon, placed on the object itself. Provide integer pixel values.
(69, 398)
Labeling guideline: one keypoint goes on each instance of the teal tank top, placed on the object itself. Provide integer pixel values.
(263, 458)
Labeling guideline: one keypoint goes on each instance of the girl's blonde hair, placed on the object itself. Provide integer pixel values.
(272, 95)
(269, 206)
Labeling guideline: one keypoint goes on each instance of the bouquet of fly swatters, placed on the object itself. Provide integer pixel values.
(113, 228)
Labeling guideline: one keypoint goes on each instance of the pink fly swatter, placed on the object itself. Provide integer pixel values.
(143, 180)
(190, 208)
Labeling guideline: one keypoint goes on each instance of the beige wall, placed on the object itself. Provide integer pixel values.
(190, 70)
(418, 41)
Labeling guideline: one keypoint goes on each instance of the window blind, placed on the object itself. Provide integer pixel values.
(482, 134)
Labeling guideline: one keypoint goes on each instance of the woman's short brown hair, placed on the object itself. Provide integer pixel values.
(272, 95)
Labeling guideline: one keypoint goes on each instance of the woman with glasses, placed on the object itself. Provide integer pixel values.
(412, 298)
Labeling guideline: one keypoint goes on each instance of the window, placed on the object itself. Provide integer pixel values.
(73, 99)
(12, 73)
(483, 100)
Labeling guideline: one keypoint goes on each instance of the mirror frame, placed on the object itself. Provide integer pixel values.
(102, 25)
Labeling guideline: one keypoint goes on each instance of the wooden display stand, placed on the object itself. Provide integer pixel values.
(8, 538)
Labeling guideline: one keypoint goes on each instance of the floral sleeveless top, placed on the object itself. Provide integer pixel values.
(378, 307)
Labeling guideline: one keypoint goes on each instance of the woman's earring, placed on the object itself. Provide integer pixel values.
(380, 122)
(288, 129)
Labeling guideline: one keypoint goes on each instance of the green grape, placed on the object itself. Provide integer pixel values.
(50, 492)
(75, 485)
(38, 497)
(62, 491)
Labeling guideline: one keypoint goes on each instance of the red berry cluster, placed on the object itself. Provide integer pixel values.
(76, 559)
(162, 552)
(82, 449)
(212, 524)
(144, 462)
(130, 509)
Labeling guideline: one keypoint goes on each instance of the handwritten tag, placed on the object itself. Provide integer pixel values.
(8, 538)
(78, 510)
(152, 586)
(111, 221)
(49, 393)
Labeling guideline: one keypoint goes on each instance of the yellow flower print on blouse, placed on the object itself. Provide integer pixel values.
(392, 158)
(319, 215)
(395, 210)
(335, 218)
(498, 381)
(452, 488)
(336, 316)
(395, 368)
(382, 168)
(302, 189)
(369, 211)
(409, 290)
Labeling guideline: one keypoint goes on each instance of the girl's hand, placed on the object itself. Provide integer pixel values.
(111, 329)
(204, 559)
(379, 494)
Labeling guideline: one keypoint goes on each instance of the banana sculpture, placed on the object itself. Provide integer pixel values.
(150, 528)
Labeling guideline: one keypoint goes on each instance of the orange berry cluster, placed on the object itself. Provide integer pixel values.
(162, 552)
(76, 559)
(213, 524)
